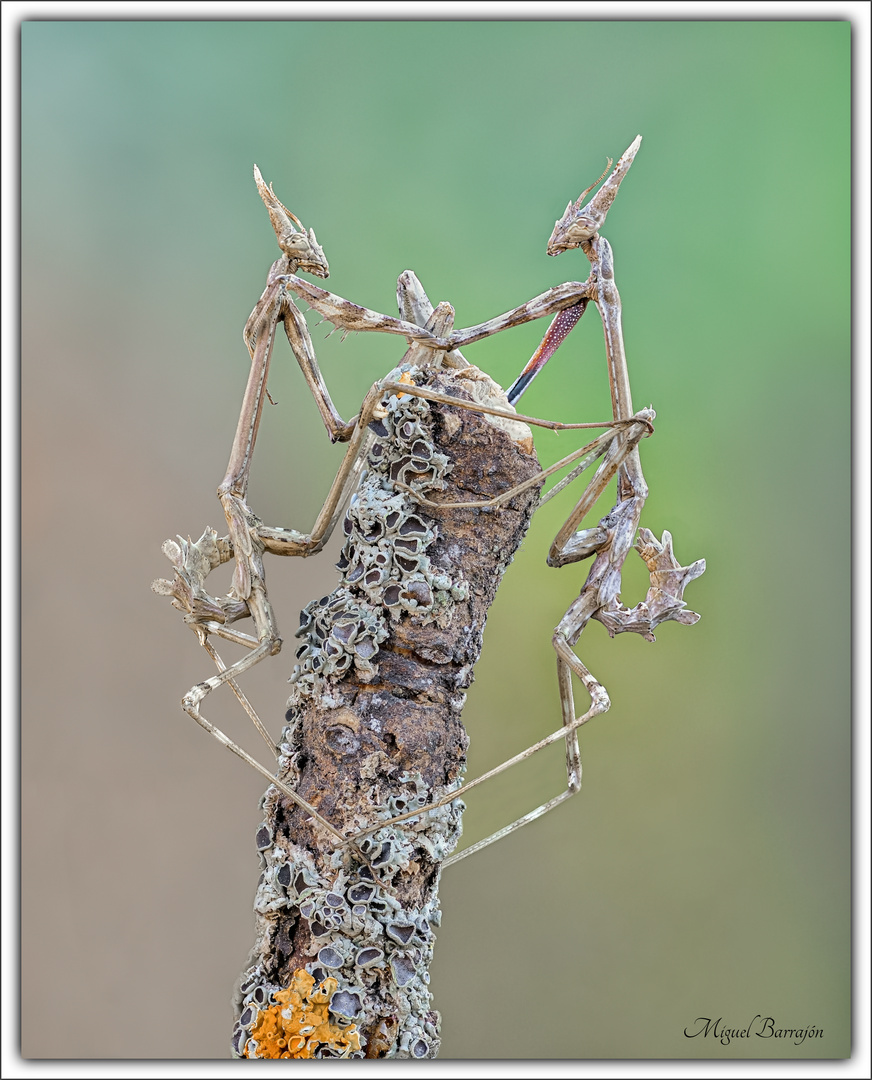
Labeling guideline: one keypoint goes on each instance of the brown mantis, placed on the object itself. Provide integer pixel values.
(433, 346)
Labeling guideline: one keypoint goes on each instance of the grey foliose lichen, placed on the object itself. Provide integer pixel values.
(378, 950)
(385, 566)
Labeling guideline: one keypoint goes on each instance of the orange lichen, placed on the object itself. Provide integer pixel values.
(405, 378)
(298, 1025)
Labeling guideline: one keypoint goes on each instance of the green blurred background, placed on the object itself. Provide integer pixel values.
(704, 869)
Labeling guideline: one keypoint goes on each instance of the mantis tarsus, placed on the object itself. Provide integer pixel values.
(437, 346)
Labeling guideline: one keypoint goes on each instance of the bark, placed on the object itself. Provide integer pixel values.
(344, 937)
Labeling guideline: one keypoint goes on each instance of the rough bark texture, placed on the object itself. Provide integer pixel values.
(373, 729)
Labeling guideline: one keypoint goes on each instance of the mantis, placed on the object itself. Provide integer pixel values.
(397, 599)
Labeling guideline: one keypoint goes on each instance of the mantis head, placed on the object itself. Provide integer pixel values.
(296, 242)
(581, 223)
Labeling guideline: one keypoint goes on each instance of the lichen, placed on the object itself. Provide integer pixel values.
(366, 945)
(298, 1024)
(386, 570)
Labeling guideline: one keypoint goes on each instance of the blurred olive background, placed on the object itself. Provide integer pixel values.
(704, 869)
